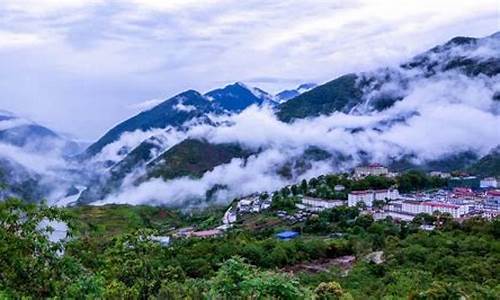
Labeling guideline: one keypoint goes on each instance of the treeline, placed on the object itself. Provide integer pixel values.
(455, 261)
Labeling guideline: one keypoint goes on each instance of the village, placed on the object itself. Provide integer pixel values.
(464, 197)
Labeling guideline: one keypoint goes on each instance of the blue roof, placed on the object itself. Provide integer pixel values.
(287, 234)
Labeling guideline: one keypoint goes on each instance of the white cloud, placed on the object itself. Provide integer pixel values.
(40, 8)
(16, 39)
(446, 114)
(182, 107)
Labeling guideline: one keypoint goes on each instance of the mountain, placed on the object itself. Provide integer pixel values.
(17, 181)
(340, 94)
(366, 128)
(193, 157)
(23, 133)
(173, 112)
(236, 97)
(185, 107)
(286, 95)
(33, 159)
(471, 57)
(488, 165)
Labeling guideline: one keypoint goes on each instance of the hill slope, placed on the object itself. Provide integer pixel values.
(376, 90)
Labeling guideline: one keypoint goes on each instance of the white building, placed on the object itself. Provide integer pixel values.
(489, 182)
(339, 188)
(389, 194)
(356, 197)
(372, 169)
(229, 217)
(440, 174)
(367, 197)
(317, 204)
(429, 207)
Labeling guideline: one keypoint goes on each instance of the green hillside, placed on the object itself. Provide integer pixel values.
(340, 94)
(193, 158)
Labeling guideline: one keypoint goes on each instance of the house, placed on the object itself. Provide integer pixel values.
(318, 204)
(492, 201)
(367, 197)
(461, 192)
(245, 205)
(184, 232)
(389, 194)
(356, 197)
(339, 188)
(427, 227)
(371, 170)
(207, 233)
(229, 217)
(164, 241)
(287, 235)
(489, 182)
(440, 174)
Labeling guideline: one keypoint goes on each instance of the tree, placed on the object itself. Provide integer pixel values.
(378, 204)
(134, 265)
(239, 280)
(33, 265)
(441, 291)
(330, 291)
(361, 205)
(304, 187)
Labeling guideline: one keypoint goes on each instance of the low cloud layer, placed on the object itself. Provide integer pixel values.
(79, 65)
(440, 116)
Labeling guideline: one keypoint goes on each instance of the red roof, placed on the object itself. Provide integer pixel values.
(361, 192)
(462, 190)
(375, 165)
(494, 193)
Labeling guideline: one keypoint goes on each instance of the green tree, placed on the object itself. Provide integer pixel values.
(330, 291)
(239, 280)
(33, 265)
(134, 265)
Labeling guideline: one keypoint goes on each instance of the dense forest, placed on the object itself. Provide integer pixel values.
(110, 253)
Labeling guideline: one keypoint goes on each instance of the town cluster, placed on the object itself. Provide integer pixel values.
(465, 197)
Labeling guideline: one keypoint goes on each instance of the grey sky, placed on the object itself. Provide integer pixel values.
(80, 66)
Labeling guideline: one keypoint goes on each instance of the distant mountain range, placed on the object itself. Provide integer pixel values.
(191, 105)
(25, 149)
(351, 92)
(290, 94)
(20, 132)
(168, 141)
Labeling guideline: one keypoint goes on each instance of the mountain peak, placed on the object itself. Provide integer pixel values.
(286, 95)
(238, 96)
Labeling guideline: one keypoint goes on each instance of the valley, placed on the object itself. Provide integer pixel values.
(382, 184)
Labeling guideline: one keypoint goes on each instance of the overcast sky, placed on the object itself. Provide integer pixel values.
(81, 66)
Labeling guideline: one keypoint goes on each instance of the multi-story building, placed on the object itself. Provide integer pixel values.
(318, 204)
(429, 207)
(489, 182)
(492, 201)
(367, 197)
